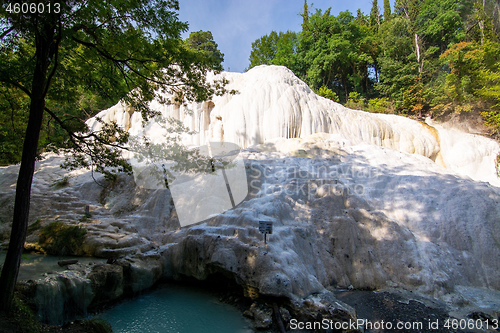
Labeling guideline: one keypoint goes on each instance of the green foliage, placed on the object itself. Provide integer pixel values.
(203, 42)
(387, 10)
(337, 52)
(23, 318)
(398, 68)
(86, 55)
(375, 15)
(355, 97)
(487, 73)
(13, 118)
(305, 17)
(447, 16)
(474, 77)
(104, 52)
(85, 217)
(328, 93)
(60, 239)
(355, 101)
(274, 49)
(492, 118)
(380, 105)
(425, 58)
(413, 102)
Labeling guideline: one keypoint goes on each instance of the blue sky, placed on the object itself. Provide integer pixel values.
(235, 24)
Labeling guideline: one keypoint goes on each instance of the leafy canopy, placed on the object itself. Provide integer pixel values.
(83, 54)
(425, 58)
(102, 52)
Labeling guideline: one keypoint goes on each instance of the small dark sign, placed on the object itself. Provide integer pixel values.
(266, 227)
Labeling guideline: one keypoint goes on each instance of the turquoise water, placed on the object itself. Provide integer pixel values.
(168, 309)
(176, 309)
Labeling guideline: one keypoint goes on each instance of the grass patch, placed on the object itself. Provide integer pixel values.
(59, 183)
(60, 239)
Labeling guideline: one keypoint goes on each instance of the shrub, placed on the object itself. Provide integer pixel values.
(492, 118)
(23, 318)
(85, 217)
(380, 105)
(34, 226)
(328, 93)
(60, 239)
(355, 101)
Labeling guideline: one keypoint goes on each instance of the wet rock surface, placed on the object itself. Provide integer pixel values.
(61, 297)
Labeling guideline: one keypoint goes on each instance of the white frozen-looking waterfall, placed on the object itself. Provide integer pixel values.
(271, 102)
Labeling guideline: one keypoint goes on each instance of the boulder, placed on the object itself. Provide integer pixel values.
(61, 297)
(107, 282)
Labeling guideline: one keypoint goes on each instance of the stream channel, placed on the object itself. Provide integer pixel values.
(168, 308)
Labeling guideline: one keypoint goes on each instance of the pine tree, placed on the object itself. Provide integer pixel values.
(305, 17)
(375, 14)
(387, 10)
(361, 18)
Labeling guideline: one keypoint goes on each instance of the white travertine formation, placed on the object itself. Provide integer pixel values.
(356, 199)
(271, 102)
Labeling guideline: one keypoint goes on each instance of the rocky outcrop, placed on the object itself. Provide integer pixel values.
(63, 297)
(107, 282)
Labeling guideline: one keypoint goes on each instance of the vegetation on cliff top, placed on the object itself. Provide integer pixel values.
(427, 57)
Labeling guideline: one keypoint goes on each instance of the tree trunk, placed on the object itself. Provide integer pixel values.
(417, 51)
(23, 188)
(344, 83)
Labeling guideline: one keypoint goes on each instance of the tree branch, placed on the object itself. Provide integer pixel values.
(125, 62)
(56, 60)
(20, 87)
(5, 33)
(63, 126)
(80, 137)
